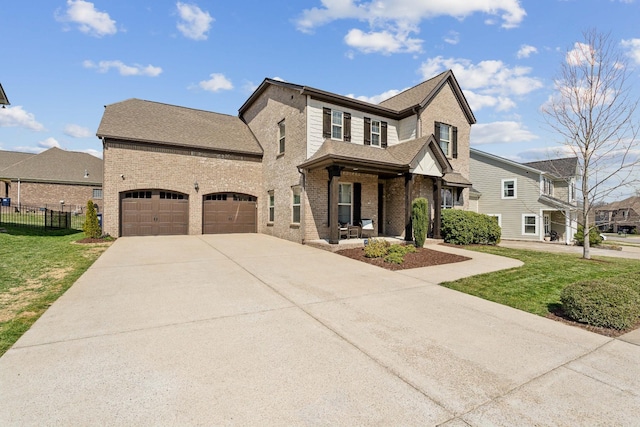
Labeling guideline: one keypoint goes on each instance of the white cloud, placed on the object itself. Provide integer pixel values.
(376, 99)
(280, 79)
(633, 46)
(500, 133)
(485, 80)
(525, 51)
(216, 83)
(123, 69)
(93, 152)
(384, 42)
(90, 21)
(18, 117)
(77, 131)
(49, 143)
(194, 22)
(581, 52)
(453, 37)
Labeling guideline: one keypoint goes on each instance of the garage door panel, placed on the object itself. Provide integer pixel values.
(154, 213)
(229, 216)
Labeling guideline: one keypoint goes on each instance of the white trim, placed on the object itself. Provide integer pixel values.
(535, 233)
(350, 204)
(341, 125)
(515, 188)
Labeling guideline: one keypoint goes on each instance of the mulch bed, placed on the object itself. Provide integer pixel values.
(422, 258)
(559, 316)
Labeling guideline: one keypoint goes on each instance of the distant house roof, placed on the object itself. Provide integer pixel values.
(628, 203)
(9, 158)
(397, 107)
(152, 122)
(562, 168)
(57, 166)
(3, 97)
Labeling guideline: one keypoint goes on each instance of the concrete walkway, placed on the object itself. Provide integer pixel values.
(253, 330)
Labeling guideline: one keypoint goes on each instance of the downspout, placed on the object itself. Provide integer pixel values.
(19, 207)
(418, 127)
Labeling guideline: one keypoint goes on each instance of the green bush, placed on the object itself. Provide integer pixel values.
(396, 253)
(91, 226)
(603, 303)
(420, 220)
(594, 236)
(466, 228)
(377, 248)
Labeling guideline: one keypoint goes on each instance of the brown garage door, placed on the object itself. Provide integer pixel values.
(229, 213)
(154, 213)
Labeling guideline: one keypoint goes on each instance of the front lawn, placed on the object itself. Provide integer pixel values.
(535, 287)
(36, 267)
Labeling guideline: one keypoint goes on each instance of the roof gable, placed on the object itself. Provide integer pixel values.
(154, 122)
(56, 165)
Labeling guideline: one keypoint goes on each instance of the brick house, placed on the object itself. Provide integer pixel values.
(622, 216)
(46, 179)
(296, 163)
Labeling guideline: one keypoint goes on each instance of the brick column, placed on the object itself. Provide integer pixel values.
(437, 207)
(408, 189)
(334, 181)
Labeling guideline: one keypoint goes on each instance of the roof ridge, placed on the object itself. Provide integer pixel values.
(414, 87)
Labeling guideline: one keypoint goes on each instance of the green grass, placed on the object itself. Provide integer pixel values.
(535, 287)
(36, 267)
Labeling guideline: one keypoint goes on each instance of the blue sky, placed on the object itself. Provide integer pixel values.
(63, 60)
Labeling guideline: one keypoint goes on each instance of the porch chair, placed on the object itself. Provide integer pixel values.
(366, 226)
(344, 231)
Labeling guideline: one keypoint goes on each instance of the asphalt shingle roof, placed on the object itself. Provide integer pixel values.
(9, 158)
(56, 165)
(153, 122)
(562, 168)
(415, 95)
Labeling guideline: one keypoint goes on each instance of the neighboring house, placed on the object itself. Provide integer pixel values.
(296, 163)
(531, 201)
(51, 177)
(623, 216)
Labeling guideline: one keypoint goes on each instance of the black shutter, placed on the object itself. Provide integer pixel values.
(436, 132)
(367, 131)
(383, 134)
(455, 142)
(357, 203)
(329, 202)
(326, 122)
(347, 126)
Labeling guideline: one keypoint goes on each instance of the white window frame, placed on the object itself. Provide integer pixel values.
(447, 141)
(338, 127)
(272, 206)
(546, 223)
(376, 134)
(499, 216)
(515, 188)
(525, 225)
(296, 191)
(350, 203)
(281, 136)
(453, 198)
(572, 190)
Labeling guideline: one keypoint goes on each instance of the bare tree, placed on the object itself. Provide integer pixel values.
(592, 112)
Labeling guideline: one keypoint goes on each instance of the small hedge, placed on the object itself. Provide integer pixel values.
(91, 226)
(380, 248)
(466, 228)
(376, 248)
(594, 236)
(608, 303)
(420, 220)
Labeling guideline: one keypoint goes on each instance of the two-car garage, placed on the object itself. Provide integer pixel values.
(160, 212)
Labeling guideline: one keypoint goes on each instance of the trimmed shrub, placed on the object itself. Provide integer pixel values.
(466, 228)
(377, 248)
(594, 236)
(602, 303)
(420, 220)
(91, 226)
(396, 253)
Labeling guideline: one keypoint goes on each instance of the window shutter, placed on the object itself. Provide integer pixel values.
(326, 122)
(455, 142)
(436, 132)
(383, 134)
(347, 127)
(367, 131)
(357, 203)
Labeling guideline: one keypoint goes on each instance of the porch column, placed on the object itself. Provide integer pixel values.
(408, 189)
(437, 207)
(334, 181)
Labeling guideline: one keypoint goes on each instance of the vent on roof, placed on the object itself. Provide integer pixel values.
(86, 174)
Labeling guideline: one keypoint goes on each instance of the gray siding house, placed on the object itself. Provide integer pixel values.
(531, 201)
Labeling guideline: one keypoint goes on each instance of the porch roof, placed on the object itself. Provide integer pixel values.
(454, 179)
(399, 158)
(556, 203)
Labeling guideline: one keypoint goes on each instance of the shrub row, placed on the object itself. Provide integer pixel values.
(608, 302)
(466, 227)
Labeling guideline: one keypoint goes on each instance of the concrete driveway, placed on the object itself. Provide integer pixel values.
(253, 330)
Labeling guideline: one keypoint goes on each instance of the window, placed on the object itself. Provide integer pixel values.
(529, 224)
(445, 139)
(572, 190)
(97, 193)
(447, 198)
(509, 189)
(344, 204)
(272, 206)
(336, 124)
(375, 133)
(295, 206)
(547, 224)
(281, 137)
(547, 186)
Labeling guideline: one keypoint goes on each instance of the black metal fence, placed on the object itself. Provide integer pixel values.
(40, 217)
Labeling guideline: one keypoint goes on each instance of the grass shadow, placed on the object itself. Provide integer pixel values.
(36, 231)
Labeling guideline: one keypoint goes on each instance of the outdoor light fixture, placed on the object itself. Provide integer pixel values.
(196, 186)
(122, 176)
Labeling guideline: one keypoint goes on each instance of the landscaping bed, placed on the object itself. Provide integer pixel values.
(423, 257)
